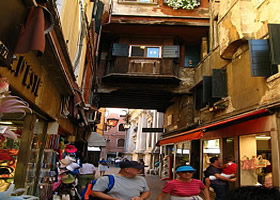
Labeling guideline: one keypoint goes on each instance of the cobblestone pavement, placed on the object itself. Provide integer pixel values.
(153, 181)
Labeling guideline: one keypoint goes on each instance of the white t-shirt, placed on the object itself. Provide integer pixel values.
(87, 168)
(124, 188)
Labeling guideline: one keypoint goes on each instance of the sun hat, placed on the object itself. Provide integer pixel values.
(66, 161)
(67, 178)
(72, 166)
(70, 148)
(131, 164)
(186, 168)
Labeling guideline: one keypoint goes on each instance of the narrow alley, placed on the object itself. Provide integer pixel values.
(188, 90)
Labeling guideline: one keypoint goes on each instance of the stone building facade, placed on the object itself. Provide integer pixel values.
(234, 95)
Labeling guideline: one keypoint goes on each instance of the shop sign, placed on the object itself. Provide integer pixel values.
(29, 79)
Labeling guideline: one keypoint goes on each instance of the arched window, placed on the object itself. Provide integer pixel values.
(121, 143)
(121, 127)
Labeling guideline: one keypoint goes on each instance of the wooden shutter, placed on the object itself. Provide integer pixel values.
(274, 38)
(207, 89)
(219, 83)
(98, 16)
(171, 51)
(259, 58)
(120, 49)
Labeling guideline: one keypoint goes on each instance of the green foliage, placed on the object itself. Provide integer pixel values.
(184, 4)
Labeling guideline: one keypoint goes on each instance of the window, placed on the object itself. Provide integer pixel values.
(212, 89)
(192, 56)
(121, 127)
(265, 54)
(145, 51)
(215, 33)
(255, 158)
(121, 142)
(211, 148)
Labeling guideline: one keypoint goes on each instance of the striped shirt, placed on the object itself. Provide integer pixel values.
(183, 189)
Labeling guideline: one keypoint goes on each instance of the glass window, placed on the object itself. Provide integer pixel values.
(211, 148)
(121, 127)
(145, 51)
(255, 159)
(121, 143)
(183, 153)
(10, 144)
(153, 52)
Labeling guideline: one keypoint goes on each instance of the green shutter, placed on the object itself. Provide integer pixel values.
(259, 58)
(207, 89)
(171, 51)
(274, 38)
(98, 16)
(120, 49)
(219, 83)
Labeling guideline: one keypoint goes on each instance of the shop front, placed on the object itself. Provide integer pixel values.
(251, 139)
(29, 130)
(251, 144)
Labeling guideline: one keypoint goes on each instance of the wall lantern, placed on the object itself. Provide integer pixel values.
(111, 122)
(126, 125)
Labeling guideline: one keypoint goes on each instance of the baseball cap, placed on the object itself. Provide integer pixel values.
(131, 164)
(186, 168)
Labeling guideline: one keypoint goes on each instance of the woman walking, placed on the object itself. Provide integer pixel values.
(103, 166)
(184, 187)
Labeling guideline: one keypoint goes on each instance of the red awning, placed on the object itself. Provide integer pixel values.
(192, 136)
(198, 132)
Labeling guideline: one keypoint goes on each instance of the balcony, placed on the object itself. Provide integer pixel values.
(153, 70)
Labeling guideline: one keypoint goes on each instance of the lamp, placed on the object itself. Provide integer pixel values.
(127, 124)
(112, 122)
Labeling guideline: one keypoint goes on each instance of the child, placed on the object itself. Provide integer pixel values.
(229, 169)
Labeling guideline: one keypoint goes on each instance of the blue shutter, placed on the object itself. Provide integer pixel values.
(120, 49)
(259, 58)
(274, 38)
(98, 16)
(207, 89)
(219, 83)
(171, 51)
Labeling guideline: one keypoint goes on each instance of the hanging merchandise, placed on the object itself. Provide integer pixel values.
(12, 194)
(12, 111)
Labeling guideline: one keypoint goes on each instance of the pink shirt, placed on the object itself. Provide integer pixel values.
(183, 189)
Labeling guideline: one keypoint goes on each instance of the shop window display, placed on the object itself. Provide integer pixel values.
(183, 153)
(210, 148)
(255, 159)
(9, 147)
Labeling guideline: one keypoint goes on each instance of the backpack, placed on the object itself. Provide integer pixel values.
(86, 192)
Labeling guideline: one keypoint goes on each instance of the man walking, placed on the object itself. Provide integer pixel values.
(127, 186)
(220, 185)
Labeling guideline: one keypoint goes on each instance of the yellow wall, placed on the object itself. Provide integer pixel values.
(70, 21)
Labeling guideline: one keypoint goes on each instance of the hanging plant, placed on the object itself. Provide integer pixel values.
(184, 4)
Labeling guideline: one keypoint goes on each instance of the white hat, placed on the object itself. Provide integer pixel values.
(66, 161)
(72, 166)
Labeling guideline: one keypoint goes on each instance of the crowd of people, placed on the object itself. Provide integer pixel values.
(130, 184)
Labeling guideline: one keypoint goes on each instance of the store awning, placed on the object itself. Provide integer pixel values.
(96, 140)
(198, 132)
(192, 136)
